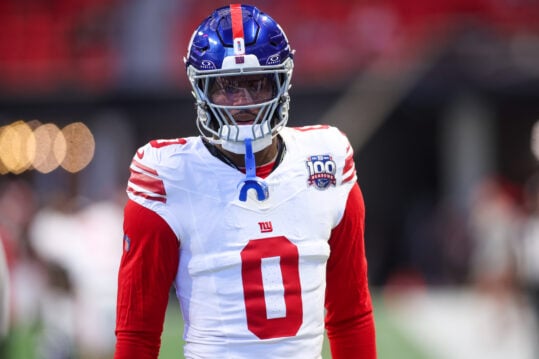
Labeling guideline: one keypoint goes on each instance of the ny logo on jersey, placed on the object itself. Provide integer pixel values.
(265, 227)
(322, 170)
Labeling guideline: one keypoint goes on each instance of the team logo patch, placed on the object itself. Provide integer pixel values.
(265, 227)
(322, 170)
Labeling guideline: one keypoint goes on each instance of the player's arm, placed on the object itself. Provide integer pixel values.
(147, 270)
(349, 318)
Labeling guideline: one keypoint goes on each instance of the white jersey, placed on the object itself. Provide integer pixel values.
(251, 276)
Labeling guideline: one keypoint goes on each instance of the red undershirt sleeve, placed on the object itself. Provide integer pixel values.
(349, 317)
(147, 270)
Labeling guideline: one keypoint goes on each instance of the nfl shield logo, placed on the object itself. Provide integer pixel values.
(322, 170)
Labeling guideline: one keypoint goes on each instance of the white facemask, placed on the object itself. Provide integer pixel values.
(262, 133)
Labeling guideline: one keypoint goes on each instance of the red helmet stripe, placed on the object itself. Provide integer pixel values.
(237, 29)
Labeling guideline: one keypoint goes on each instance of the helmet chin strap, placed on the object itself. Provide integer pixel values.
(251, 181)
(244, 132)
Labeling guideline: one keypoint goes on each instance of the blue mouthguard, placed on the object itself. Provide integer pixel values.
(251, 181)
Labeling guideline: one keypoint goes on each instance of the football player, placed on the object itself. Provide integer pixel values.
(258, 226)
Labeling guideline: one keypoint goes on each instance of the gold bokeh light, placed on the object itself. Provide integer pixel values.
(80, 147)
(44, 147)
(3, 168)
(50, 148)
(17, 146)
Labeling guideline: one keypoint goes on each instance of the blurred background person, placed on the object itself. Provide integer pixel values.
(79, 241)
(4, 294)
(527, 253)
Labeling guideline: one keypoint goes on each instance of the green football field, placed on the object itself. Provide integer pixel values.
(422, 324)
(392, 341)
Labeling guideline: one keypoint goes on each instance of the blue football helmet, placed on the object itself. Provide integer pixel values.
(239, 63)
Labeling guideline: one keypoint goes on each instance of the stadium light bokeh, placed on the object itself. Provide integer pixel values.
(31, 145)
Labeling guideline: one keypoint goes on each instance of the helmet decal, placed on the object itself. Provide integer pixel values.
(274, 59)
(237, 30)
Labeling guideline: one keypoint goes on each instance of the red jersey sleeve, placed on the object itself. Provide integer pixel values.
(349, 318)
(147, 270)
